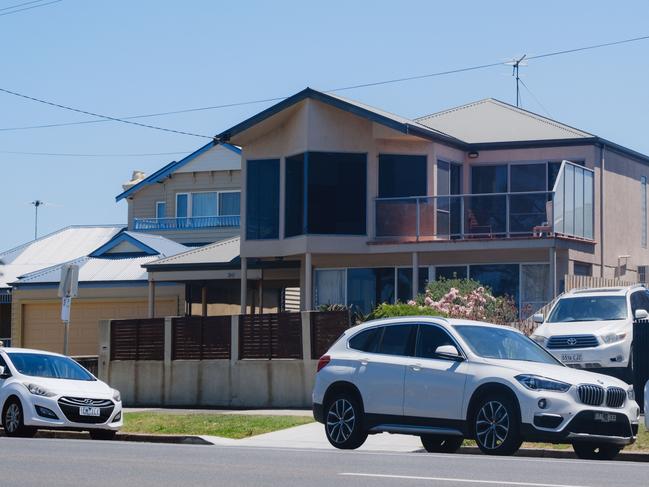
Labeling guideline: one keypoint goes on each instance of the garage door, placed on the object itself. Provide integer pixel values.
(42, 327)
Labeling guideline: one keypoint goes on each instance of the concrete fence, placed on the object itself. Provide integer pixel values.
(233, 382)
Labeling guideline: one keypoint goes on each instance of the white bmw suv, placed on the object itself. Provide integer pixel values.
(447, 379)
(43, 390)
(593, 328)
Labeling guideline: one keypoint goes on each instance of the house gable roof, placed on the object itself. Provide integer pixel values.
(164, 172)
(63, 245)
(132, 243)
(395, 122)
(492, 121)
(222, 252)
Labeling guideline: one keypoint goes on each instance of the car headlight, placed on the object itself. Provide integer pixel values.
(613, 337)
(630, 393)
(116, 395)
(39, 390)
(538, 383)
(540, 339)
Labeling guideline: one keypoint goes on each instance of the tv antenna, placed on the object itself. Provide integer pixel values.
(516, 64)
(37, 204)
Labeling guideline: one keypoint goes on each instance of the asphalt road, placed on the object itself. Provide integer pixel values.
(54, 463)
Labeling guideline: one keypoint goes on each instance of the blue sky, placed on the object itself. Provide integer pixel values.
(126, 58)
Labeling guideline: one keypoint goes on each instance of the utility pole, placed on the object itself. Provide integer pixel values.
(37, 204)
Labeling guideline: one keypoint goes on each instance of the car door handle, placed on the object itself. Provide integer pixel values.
(415, 367)
(364, 361)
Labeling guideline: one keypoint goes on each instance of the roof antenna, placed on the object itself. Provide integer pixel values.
(516, 64)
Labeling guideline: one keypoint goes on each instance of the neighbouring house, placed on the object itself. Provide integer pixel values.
(193, 201)
(371, 205)
(112, 285)
(64, 245)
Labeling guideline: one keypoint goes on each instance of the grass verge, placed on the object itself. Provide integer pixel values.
(225, 425)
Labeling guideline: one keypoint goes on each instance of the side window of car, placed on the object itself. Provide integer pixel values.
(367, 341)
(430, 338)
(639, 300)
(398, 340)
(4, 364)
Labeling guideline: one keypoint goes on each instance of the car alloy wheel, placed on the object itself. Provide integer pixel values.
(12, 418)
(492, 425)
(341, 420)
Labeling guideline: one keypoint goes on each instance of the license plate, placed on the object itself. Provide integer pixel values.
(89, 411)
(605, 417)
(571, 357)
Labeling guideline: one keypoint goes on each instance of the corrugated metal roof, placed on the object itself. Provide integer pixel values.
(61, 246)
(223, 251)
(491, 120)
(164, 246)
(92, 269)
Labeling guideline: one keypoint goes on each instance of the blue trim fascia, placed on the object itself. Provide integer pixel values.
(123, 237)
(162, 173)
(349, 107)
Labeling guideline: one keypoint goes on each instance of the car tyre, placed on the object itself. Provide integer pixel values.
(344, 422)
(441, 444)
(102, 434)
(595, 451)
(496, 425)
(13, 420)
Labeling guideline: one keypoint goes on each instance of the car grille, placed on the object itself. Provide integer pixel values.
(615, 397)
(591, 394)
(572, 341)
(70, 407)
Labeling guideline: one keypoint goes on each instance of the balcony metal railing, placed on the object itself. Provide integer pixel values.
(186, 223)
(567, 209)
(495, 215)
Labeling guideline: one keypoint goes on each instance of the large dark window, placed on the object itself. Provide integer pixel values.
(401, 176)
(451, 272)
(294, 208)
(367, 288)
(337, 193)
(262, 199)
(503, 279)
(489, 179)
(398, 340)
(404, 283)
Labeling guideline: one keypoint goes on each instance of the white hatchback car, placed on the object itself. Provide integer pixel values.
(447, 379)
(43, 390)
(593, 328)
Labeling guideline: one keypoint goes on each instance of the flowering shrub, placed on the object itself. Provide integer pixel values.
(454, 298)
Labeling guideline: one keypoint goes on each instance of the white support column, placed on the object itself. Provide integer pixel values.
(553, 272)
(151, 299)
(244, 284)
(308, 283)
(415, 274)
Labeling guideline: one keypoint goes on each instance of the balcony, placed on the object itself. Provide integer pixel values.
(567, 210)
(185, 223)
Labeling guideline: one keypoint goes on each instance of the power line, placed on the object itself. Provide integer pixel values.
(266, 100)
(27, 8)
(94, 155)
(114, 119)
(20, 5)
(536, 99)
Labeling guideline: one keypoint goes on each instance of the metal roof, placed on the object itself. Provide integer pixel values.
(93, 269)
(490, 120)
(61, 246)
(221, 252)
(144, 243)
(170, 168)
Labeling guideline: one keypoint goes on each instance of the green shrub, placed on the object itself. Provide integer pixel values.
(386, 310)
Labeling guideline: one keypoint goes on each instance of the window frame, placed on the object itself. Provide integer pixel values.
(157, 206)
(189, 204)
(396, 154)
(218, 200)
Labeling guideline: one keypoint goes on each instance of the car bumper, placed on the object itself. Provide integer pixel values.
(602, 356)
(111, 420)
(318, 412)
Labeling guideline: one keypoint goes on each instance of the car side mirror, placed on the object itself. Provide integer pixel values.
(538, 318)
(449, 352)
(641, 314)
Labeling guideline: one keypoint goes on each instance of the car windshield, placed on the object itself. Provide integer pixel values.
(500, 343)
(50, 366)
(589, 308)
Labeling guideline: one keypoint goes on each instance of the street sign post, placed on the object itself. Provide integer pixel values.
(68, 289)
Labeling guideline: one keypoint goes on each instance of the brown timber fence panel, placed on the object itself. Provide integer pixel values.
(270, 336)
(137, 339)
(326, 327)
(576, 282)
(201, 338)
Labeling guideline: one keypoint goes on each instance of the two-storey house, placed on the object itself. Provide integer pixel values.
(372, 205)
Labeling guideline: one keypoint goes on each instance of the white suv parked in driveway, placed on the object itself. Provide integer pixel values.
(43, 390)
(445, 380)
(593, 328)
